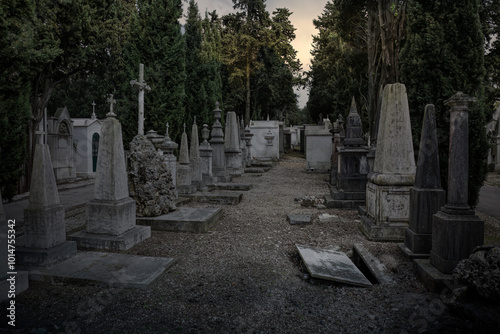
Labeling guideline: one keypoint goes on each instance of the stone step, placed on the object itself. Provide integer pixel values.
(231, 186)
(194, 220)
(216, 197)
(112, 269)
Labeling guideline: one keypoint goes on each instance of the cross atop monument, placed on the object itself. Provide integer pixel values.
(111, 102)
(93, 110)
(141, 86)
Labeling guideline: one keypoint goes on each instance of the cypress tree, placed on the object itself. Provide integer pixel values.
(157, 42)
(444, 54)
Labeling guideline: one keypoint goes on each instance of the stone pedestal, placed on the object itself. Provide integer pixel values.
(111, 214)
(206, 152)
(426, 196)
(455, 235)
(45, 228)
(386, 215)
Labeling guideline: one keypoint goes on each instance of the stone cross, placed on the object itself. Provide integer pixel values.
(111, 102)
(93, 110)
(141, 86)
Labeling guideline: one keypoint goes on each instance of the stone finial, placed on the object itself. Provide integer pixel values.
(354, 131)
(205, 133)
(428, 171)
(93, 110)
(168, 146)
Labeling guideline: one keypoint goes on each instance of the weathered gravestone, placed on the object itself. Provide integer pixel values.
(168, 147)
(456, 230)
(184, 184)
(194, 157)
(8, 270)
(45, 229)
(426, 195)
(232, 146)
(206, 152)
(149, 180)
(349, 190)
(386, 215)
(218, 154)
(111, 214)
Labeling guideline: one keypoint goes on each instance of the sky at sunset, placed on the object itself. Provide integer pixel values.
(304, 11)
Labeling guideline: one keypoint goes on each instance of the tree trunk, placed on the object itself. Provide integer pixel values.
(247, 105)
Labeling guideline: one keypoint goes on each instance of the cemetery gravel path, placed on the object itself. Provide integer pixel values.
(246, 277)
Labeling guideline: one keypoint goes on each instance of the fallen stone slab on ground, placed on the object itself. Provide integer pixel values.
(332, 265)
(113, 270)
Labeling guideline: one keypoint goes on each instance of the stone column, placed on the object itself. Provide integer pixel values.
(45, 227)
(248, 141)
(111, 214)
(497, 158)
(243, 146)
(232, 146)
(349, 190)
(168, 147)
(386, 215)
(334, 159)
(206, 152)
(426, 195)
(184, 185)
(194, 157)
(217, 143)
(456, 230)
(141, 86)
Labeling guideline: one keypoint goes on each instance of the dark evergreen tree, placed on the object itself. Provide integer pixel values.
(444, 54)
(157, 42)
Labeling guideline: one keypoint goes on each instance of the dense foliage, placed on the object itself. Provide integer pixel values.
(435, 48)
(71, 53)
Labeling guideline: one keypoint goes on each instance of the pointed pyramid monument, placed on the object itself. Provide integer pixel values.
(45, 226)
(349, 190)
(7, 269)
(386, 215)
(232, 145)
(184, 184)
(426, 195)
(111, 221)
(194, 157)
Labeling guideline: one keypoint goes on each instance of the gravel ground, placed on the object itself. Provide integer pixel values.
(246, 277)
